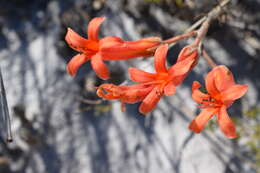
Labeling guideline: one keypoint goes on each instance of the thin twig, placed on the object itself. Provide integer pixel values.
(208, 59)
(180, 37)
(195, 25)
(4, 110)
(91, 102)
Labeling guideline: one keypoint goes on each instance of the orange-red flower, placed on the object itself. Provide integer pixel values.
(222, 92)
(152, 86)
(109, 48)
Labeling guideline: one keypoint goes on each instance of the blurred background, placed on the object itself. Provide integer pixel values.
(60, 125)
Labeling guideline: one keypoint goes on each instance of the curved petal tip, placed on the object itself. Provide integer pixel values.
(226, 124)
(75, 63)
(150, 102)
(93, 27)
(100, 67)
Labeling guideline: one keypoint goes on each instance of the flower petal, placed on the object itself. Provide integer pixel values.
(198, 124)
(226, 124)
(140, 75)
(187, 59)
(79, 43)
(110, 42)
(181, 67)
(169, 89)
(75, 63)
(160, 59)
(178, 79)
(143, 44)
(109, 91)
(210, 83)
(93, 28)
(195, 85)
(234, 92)
(197, 95)
(99, 66)
(188, 52)
(135, 93)
(224, 78)
(150, 101)
(118, 49)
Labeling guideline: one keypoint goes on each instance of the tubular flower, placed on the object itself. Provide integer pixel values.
(152, 86)
(109, 48)
(222, 92)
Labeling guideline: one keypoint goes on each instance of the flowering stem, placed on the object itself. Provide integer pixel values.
(202, 31)
(180, 37)
(208, 59)
(205, 21)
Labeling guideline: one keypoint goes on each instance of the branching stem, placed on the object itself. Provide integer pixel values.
(202, 31)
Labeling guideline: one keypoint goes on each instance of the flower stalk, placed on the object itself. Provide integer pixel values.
(208, 59)
(180, 37)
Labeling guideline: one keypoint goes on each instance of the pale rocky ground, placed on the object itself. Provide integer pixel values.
(53, 133)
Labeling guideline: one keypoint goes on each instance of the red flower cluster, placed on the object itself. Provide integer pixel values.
(150, 87)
